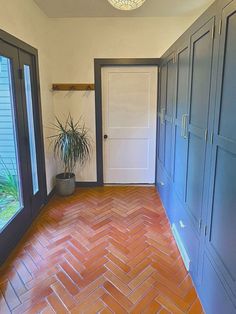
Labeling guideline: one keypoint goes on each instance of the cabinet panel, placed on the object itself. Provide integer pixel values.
(222, 204)
(181, 110)
(228, 103)
(195, 175)
(213, 295)
(168, 147)
(200, 86)
(165, 190)
(182, 82)
(179, 176)
(170, 103)
(161, 107)
(201, 75)
(223, 230)
(170, 92)
(188, 236)
(161, 142)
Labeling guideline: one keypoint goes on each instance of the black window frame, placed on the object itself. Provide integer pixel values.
(6, 248)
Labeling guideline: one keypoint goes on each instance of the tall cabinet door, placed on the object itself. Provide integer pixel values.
(222, 214)
(161, 112)
(199, 102)
(180, 121)
(170, 103)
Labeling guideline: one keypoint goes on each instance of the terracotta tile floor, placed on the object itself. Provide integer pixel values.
(104, 250)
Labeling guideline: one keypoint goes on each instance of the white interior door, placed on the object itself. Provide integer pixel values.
(129, 102)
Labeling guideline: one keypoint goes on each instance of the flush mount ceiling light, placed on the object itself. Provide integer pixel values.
(126, 4)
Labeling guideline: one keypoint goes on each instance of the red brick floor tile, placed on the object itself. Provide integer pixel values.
(103, 250)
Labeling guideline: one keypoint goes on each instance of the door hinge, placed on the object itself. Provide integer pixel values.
(205, 230)
(182, 126)
(220, 27)
(20, 74)
(162, 115)
(213, 32)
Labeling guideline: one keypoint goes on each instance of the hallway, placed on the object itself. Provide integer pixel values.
(103, 250)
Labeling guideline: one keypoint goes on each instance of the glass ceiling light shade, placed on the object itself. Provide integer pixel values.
(126, 4)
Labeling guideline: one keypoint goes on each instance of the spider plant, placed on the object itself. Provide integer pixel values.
(71, 143)
(8, 181)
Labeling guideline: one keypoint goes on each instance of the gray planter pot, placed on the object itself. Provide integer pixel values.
(65, 184)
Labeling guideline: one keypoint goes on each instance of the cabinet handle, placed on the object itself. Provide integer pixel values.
(185, 126)
(212, 138)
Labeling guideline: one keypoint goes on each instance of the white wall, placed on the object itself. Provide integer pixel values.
(23, 19)
(67, 48)
(76, 42)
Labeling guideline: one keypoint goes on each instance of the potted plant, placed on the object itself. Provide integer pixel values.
(72, 146)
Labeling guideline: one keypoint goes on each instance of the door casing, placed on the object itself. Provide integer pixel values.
(98, 65)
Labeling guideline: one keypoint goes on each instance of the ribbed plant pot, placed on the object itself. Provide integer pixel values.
(65, 184)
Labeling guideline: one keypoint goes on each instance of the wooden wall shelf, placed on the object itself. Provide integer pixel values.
(73, 87)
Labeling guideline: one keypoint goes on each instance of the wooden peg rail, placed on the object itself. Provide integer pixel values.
(73, 87)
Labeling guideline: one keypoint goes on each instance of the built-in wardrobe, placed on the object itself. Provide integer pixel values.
(196, 149)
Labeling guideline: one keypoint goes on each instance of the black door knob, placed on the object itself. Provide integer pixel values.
(105, 136)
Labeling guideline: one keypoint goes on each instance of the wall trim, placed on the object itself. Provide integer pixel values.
(87, 184)
(50, 195)
(98, 65)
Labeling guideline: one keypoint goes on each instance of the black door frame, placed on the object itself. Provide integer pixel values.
(20, 224)
(98, 65)
(12, 40)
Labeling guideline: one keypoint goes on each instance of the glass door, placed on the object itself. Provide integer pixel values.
(22, 174)
(14, 201)
(11, 201)
(32, 113)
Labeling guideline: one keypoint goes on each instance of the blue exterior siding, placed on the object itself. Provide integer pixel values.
(7, 143)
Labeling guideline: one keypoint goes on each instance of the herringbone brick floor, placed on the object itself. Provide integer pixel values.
(103, 250)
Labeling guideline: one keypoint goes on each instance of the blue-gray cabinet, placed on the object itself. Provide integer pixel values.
(221, 219)
(180, 144)
(196, 166)
(199, 103)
